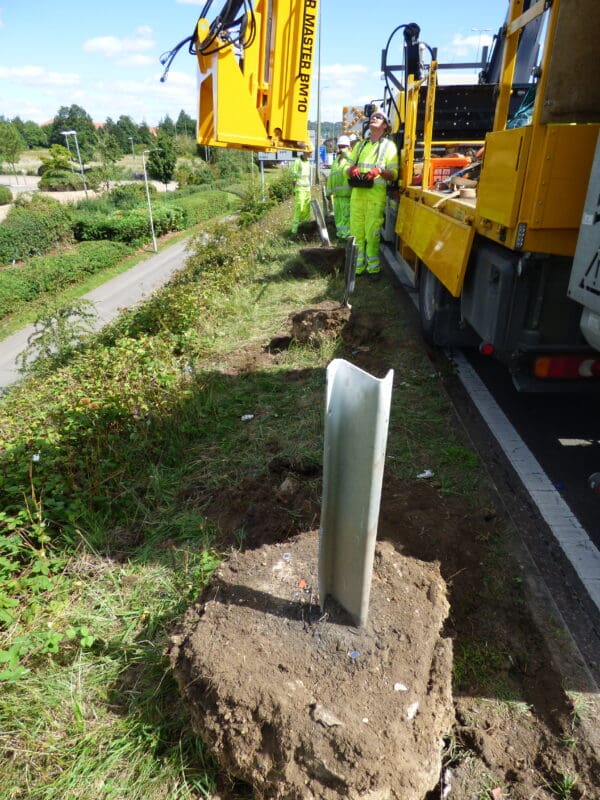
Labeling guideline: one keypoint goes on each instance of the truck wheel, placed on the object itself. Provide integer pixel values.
(431, 300)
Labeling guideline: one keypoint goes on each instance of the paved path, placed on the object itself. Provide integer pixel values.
(112, 297)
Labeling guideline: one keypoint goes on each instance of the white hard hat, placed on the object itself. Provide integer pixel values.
(353, 138)
(343, 141)
(380, 113)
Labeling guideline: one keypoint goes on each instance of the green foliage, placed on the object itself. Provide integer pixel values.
(57, 159)
(50, 274)
(282, 187)
(5, 195)
(131, 226)
(130, 195)
(74, 118)
(34, 227)
(58, 332)
(201, 206)
(11, 143)
(63, 180)
(195, 173)
(163, 157)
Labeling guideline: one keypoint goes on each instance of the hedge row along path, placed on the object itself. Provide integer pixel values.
(109, 299)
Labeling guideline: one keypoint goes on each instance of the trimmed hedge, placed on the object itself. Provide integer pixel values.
(34, 227)
(202, 205)
(5, 195)
(53, 273)
(131, 226)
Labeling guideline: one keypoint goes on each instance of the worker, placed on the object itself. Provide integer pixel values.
(372, 164)
(302, 177)
(337, 188)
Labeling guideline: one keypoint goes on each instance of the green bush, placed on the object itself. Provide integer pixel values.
(33, 227)
(282, 186)
(200, 206)
(54, 273)
(59, 180)
(130, 195)
(5, 195)
(131, 226)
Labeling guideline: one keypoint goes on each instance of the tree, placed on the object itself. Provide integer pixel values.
(163, 158)
(144, 134)
(167, 126)
(11, 144)
(185, 125)
(75, 118)
(109, 152)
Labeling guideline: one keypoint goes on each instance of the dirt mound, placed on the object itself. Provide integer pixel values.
(303, 706)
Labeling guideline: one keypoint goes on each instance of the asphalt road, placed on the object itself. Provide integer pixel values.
(122, 292)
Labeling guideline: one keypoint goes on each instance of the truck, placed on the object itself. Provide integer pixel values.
(495, 219)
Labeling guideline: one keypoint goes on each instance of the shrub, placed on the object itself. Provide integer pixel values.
(130, 195)
(282, 186)
(58, 180)
(53, 273)
(5, 195)
(33, 227)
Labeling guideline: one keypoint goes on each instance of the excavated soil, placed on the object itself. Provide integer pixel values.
(302, 705)
(515, 733)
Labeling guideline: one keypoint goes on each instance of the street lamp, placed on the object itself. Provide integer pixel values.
(66, 134)
(132, 150)
(148, 198)
(480, 31)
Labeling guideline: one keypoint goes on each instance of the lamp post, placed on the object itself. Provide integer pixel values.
(148, 198)
(480, 31)
(66, 134)
(132, 150)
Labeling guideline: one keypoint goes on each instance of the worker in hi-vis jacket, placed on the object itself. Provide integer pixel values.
(338, 189)
(372, 164)
(302, 177)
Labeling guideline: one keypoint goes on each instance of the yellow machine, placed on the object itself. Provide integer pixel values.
(256, 65)
(488, 213)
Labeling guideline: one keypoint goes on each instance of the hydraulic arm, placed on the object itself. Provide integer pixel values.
(256, 62)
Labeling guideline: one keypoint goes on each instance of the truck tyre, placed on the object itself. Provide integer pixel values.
(431, 299)
(440, 314)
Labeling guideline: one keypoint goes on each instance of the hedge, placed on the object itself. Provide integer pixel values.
(5, 195)
(53, 273)
(33, 228)
(131, 226)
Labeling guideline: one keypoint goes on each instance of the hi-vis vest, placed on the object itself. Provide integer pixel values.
(337, 182)
(301, 171)
(367, 155)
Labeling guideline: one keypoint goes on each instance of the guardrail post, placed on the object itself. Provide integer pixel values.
(357, 412)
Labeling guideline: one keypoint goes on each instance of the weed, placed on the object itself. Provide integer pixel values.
(59, 332)
(562, 787)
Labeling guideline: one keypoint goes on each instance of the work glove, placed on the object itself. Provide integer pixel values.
(354, 172)
(373, 173)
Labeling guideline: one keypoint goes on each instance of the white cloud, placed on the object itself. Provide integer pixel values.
(114, 48)
(30, 75)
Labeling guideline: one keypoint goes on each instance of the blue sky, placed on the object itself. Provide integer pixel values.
(104, 56)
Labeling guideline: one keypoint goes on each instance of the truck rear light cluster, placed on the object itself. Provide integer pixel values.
(566, 367)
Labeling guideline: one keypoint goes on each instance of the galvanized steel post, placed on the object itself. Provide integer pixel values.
(357, 412)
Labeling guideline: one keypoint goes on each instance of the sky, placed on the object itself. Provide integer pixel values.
(104, 56)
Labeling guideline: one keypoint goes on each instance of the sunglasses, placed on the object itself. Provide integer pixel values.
(377, 116)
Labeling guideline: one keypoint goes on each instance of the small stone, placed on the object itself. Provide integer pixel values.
(412, 710)
(400, 687)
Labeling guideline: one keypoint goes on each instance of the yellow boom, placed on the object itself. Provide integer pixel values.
(254, 93)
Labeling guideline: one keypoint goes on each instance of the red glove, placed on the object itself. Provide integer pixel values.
(354, 172)
(373, 173)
